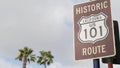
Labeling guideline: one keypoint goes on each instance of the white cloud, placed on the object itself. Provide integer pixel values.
(35, 23)
(5, 64)
(56, 65)
(12, 63)
(74, 65)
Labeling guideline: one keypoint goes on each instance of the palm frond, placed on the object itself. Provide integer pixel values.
(32, 58)
(45, 57)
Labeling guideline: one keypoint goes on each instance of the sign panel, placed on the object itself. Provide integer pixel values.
(93, 30)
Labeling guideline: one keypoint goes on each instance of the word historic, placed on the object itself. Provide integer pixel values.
(92, 7)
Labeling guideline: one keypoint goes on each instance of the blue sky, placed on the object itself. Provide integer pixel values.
(41, 25)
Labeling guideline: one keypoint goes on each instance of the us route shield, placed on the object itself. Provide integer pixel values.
(91, 31)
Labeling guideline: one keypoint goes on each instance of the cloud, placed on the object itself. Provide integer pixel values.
(5, 64)
(40, 25)
(75, 65)
(59, 65)
(37, 24)
(56, 65)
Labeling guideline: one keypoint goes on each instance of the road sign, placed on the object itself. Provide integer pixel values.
(93, 30)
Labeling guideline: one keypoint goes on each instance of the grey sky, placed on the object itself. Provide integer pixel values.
(42, 25)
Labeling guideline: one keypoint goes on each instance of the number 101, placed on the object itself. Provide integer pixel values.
(93, 32)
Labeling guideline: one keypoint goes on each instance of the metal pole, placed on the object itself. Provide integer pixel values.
(110, 64)
(96, 63)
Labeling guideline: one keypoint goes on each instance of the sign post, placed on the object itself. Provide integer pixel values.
(96, 63)
(93, 30)
(110, 64)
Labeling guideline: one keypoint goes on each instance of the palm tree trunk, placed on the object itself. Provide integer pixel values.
(24, 61)
(45, 65)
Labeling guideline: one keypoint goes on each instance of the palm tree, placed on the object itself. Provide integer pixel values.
(25, 56)
(45, 58)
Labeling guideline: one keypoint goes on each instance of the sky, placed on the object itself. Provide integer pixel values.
(41, 25)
